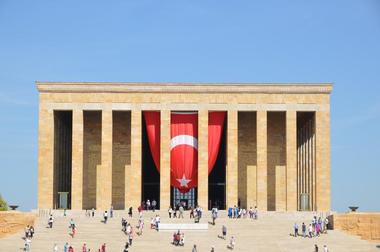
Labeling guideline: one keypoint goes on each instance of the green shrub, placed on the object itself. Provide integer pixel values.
(3, 204)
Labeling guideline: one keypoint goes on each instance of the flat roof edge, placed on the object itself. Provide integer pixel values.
(181, 87)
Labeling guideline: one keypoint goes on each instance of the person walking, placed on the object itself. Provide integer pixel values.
(130, 212)
(105, 217)
(154, 203)
(315, 248)
(194, 248)
(71, 249)
(93, 212)
(224, 232)
(181, 210)
(66, 247)
(310, 231)
(170, 211)
(295, 229)
(126, 247)
(303, 227)
(325, 249)
(55, 247)
(111, 211)
(50, 221)
(130, 236)
(84, 247)
(104, 247)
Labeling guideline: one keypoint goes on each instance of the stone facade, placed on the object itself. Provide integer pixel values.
(262, 161)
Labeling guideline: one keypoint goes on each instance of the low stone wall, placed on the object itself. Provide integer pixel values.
(365, 225)
(13, 221)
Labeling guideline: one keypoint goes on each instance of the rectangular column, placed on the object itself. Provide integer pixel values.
(291, 161)
(203, 158)
(262, 170)
(45, 158)
(77, 161)
(104, 171)
(165, 160)
(251, 186)
(280, 181)
(322, 123)
(232, 159)
(133, 172)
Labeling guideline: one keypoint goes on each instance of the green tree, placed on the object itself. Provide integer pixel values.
(3, 204)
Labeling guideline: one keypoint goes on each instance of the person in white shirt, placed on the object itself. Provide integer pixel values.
(325, 249)
(55, 248)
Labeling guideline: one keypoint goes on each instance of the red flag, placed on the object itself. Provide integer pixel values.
(184, 150)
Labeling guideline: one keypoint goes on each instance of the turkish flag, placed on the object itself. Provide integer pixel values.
(184, 150)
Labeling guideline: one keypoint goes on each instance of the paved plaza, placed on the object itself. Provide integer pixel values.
(271, 232)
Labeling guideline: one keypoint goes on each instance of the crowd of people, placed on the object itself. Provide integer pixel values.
(317, 226)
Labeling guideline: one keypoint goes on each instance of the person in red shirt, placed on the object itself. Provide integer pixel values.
(104, 247)
(71, 249)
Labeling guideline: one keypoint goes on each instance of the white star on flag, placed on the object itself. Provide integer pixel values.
(183, 181)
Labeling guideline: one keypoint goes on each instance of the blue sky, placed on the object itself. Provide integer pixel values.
(196, 41)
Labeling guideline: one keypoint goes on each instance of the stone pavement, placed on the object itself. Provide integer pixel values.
(271, 232)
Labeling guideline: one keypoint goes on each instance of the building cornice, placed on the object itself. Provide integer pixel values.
(150, 87)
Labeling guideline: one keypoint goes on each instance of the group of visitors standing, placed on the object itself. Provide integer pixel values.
(70, 248)
(236, 212)
(315, 228)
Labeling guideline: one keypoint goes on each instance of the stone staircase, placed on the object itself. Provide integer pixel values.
(269, 233)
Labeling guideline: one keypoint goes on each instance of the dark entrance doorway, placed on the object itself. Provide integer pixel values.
(217, 177)
(62, 158)
(150, 176)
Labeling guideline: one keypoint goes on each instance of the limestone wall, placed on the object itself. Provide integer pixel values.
(12, 222)
(365, 225)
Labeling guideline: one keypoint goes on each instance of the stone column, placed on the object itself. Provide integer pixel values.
(291, 161)
(104, 171)
(322, 123)
(232, 158)
(77, 161)
(165, 160)
(45, 158)
(203, 158)
(262, 168)
(133, 172)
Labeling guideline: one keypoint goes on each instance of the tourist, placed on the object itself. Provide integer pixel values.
(154, 204)
(55, 247)
(194, 248)
(147, 204)
(224, 232)
(295, 229)
(141, 227)
(191, 212)
(250, 212)
(255, 213)
(73, 231)
(31, 231)
(214, 214)
(65, 247)
(27, 244)
(212, 249)
(104, 247)
(325, 249)
(182, 239)
(27, 230)
(310, 231)
(111, 211)
(232, 243)
(230, 212)
(181, 210)
(50, 221)
(93, 212)
(170, 211)
(130, 212)
(105, 217)
(130, 236)
(317, 229)
(71, 249)
(157, 221)
(72, 224)
(326, 223)
(315, 248)
(126, 247)
(84, 247)
(303, 229)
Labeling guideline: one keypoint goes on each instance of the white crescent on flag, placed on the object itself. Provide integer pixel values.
(184, 139)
